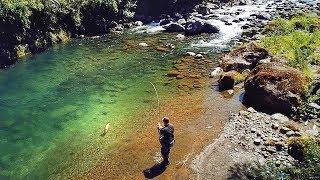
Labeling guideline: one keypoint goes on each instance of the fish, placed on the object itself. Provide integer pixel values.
(106, 128)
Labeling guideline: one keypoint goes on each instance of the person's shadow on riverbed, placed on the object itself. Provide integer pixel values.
(154, 171)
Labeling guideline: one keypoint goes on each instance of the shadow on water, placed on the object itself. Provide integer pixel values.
(154, 171)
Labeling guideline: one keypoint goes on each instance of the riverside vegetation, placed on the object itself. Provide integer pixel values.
(29, 26)
(295, 42)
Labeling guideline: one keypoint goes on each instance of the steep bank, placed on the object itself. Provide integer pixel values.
(33, 26)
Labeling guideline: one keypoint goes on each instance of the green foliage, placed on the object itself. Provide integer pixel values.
(24, 8)
(240, 77)
(297, 40)
(310, 167)
(34, 25)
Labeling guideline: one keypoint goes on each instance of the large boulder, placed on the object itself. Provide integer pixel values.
(245, 57)
(194, 28)
(275, 87)
(229, 79)
(174, 27)
(210, 28)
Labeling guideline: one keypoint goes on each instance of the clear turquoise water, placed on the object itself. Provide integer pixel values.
(54, 105)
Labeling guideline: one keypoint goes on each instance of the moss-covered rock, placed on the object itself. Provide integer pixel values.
(276, 87)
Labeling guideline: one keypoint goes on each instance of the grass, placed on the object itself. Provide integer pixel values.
(297, 40)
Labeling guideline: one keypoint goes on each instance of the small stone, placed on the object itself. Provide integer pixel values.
(181, 37)
(278, 163)
(245, 113)
(258, 133)
(230, 92)
(284, 130)
(250, 109)
(271, 150)
(313, 132)
(275, 139)
(199, 56)
(279, 117)
(143, 44)
(180, 76)
(138, 23)
(191, 54)
(257, 142)
(290, 133)
(253, 130)
(217, 72)
(297, 133)
(275, 126)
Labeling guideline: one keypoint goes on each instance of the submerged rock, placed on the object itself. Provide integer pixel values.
(227, 80)
(143, 44)
(275, 87)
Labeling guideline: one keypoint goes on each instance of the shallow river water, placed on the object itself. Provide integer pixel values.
(55, 105)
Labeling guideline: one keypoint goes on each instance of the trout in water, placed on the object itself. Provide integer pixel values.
(106, 128)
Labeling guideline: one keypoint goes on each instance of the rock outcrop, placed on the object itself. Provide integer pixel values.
(246, 57)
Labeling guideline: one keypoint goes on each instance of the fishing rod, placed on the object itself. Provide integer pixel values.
(155, 89)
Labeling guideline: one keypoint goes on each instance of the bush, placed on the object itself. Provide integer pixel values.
(296, 40)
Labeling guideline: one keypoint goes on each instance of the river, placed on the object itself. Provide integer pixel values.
(54, 106)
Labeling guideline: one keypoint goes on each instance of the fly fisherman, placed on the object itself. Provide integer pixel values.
(166, 139)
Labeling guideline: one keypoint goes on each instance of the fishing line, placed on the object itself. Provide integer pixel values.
(155, 89)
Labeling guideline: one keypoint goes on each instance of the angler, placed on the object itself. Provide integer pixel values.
(166, 139)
